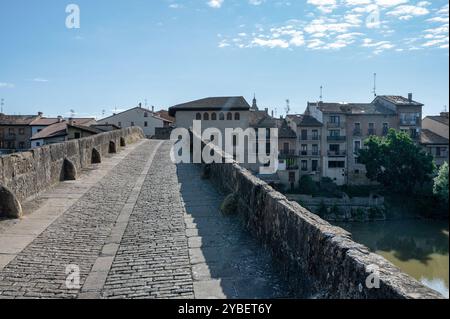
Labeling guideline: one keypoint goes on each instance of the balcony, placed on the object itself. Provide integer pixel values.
(337, 153)
(309, 153)
(310, 138)
(336, 138)
(335, 125)
(287, 154)
(410, 122)
(292, 167)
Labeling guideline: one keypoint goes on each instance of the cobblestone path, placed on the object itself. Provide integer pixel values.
(147, 229)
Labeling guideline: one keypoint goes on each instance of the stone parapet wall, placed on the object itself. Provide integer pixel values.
(28, 173)
(317, 256)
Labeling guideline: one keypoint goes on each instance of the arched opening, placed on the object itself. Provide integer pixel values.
(237, 116)
(69, 171)
(206, 117)
(229, 116)
(9, 205)
(123, 143)
(198, 117)
(221, 117)
(112, 147)
(96, 158)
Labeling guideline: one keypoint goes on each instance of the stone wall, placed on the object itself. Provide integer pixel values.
(27, 173)
(317, 256)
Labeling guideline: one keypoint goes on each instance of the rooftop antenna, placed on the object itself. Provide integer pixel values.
(103, 112)
(2, 103)
(321, 94)
(72, 113)
(145, 103)
(288, 106)
(374, 85)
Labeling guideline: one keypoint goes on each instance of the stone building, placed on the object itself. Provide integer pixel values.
(308, 144)
(64, 131)
(148, 120)
(347, 125)
(15, 132)
(434, 137)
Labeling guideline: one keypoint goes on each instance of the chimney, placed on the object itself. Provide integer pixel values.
(140, 105)
(410, 97)
(153, 109)
(444, 114)
(40, 114)
(267, 110)
(272, 113)
(71, 121)
(60, 118)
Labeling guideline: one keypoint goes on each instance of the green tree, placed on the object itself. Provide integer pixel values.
(440, 188)
(396, 162)
(307, 185)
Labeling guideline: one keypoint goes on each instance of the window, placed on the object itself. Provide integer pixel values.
(286, 148)
(438, 151)
(21, 131)
(229, 117)
(11, 131)
(198, 117)
(304, 165)
(237, 116)
(132, 123)
(315, 165)
(145, 124)
(336, 133)
(145, 114)
(385, 128)
(304, 149)
(21, 145)
(38, 144)
(371, 129)
(291, 177)
(357, 129)
(356, 171)
(315, 149)
(315, 135)
(77, 135)
(206, 117)
(39, 130)
(335, 148)
(357, 146)
(336, 164)
(335, 119)
(234, 140)
(214, 117)
(222, 117)
(119, 124)
(304, 135)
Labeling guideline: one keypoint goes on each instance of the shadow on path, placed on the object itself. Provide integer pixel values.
(227, 262)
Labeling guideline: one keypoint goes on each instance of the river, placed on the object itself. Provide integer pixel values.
(417, 247)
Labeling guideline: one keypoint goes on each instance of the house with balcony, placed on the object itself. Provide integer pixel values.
(309, 134)
(333, 138)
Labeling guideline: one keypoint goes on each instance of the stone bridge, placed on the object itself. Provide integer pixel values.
(111, 216)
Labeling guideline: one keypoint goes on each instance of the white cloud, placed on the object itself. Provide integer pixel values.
(406, 12)
(256, 2)
(271, 43)
(40, 80)
(215, 3)
(6, 85)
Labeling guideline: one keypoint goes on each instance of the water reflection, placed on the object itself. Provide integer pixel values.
(419, 248)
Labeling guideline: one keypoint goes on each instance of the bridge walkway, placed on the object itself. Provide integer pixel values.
(136, 226)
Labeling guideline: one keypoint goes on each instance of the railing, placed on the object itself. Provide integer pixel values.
(310, 138)
(309, 153)
(337, 153)
(442, 155)
(292, 167)
(287, 152)
(410, 122)
(371, 131)
(335, 125)
(336, 138)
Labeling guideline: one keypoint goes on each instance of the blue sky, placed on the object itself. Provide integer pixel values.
(169, 52)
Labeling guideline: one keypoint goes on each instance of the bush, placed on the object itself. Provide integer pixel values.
(322, 211)
(307, 185)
